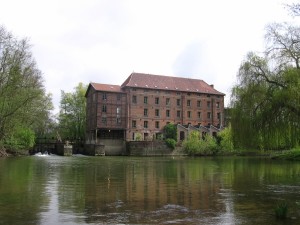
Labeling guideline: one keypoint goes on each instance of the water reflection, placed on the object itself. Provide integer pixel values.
(126, 190)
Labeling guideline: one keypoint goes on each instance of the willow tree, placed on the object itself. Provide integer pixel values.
(24, 105)
(266, 99)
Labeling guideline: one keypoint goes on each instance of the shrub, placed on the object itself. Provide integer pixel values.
(171, 143)
(138, 137)
(194, 145)
(23, 138)
(225, 140)
(171, 131)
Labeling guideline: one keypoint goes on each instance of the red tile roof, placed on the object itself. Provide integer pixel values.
(151, 81)
(106, 87)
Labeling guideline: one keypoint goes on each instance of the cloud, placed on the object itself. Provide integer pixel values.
(191, 61)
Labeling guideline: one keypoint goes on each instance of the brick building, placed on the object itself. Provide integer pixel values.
(145, 103)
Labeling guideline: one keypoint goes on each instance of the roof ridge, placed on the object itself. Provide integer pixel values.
(169, 76)
(105, 84)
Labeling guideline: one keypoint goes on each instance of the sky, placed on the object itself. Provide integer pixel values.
(104, 41)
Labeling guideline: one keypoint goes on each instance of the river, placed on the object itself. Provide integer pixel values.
(145, 190)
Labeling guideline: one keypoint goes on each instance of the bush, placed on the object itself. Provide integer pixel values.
(225, 140)
(195, 145)
(138, 137)
(23, 138)
(171, 131)
(171, 143)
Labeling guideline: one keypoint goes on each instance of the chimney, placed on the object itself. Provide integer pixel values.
(211, 85)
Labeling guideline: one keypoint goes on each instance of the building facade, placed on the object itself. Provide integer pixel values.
(141, 107)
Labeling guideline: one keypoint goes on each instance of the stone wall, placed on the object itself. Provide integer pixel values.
(94, 150)
(108, 147)
(64, 150)
(148, 148)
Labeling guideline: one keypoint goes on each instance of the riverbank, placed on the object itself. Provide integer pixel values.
(7, 153)
(293, 154)
(3, 153)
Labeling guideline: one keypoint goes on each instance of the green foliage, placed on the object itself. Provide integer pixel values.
(225, 140)
(23, 138)
(138, 137)
(159, 137)
(171, 131)
(293, 154)
(281, 210)
(24, 102)
(194, 145)
(72, 113)
(266, 101)
(171, 143)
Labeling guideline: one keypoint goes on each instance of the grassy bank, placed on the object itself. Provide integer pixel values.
(293, 154)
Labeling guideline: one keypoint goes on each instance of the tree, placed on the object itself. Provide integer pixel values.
(72, 115)
(266, 100)
(170, 131)
(23, 102)
(294, 9)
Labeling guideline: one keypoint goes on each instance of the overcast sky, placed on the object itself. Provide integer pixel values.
(104, 41)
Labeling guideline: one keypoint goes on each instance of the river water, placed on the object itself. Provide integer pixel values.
(161, 190)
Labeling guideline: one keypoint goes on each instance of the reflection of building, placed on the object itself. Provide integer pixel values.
(144, 104)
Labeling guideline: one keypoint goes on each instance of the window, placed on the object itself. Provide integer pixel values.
(209, 115)
(145, 112)
(104, 96)
(167, 113)
(157, 124)
(156, 100)
(167, 101)
(146, 100)
(118, 97)
(156, 112)
(145, 124)
(104, 108)
(118, 110)
(208, 104)
(133, 124)
(219, 116)
(178, 102)
(134, 99)
(188, 103)
(118, 120)
(178, 114)
(199, 115)
(104, 121)
(218, 105)
(198, 103)
(189, 114)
